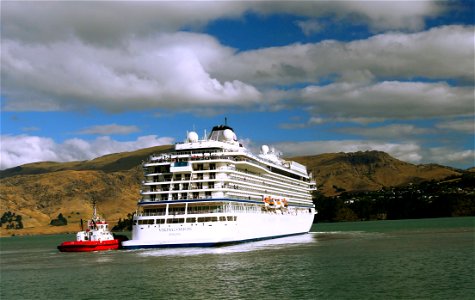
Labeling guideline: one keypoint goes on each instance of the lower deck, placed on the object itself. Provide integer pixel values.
(215, 222)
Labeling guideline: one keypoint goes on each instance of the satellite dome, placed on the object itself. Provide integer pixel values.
(264, 149)
(192, 137)
(229, 135)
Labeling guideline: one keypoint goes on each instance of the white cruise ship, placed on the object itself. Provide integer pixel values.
(214, 191)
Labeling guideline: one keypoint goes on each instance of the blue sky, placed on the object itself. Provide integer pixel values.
(84, 79)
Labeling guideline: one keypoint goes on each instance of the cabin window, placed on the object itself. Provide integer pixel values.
(175, 220)
(163, 169)
(146, 222)
(154, 212)
(191, 220)
(207, 219)
(176, 210)
(160, 221)
(222, 219)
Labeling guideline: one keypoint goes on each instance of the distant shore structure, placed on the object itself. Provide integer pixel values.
(214, 191)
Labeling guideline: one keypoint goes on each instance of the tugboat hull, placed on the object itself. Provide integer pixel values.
(89, 246)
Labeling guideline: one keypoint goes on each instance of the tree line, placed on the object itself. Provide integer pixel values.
(454, 196)
(11, 220)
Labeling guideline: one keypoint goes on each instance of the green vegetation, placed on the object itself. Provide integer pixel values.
(59, 221)
(454, 196)
(125, 224)
(11, 220)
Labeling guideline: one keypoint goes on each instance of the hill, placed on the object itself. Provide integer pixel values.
(38, 192)
(107, 163)
(368, 171)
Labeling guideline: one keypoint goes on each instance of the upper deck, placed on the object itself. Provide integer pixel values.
(222, 144)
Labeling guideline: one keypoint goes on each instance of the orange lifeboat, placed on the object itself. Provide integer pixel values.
(284, 201)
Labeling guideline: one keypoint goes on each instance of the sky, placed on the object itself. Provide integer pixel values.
(81, 79)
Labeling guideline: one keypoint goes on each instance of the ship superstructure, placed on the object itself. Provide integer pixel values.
(214, 191)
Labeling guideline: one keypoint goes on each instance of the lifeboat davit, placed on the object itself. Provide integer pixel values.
(96, 237)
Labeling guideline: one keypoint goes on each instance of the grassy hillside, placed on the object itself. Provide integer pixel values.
(108, 163)
(367, 171)
(40, 191)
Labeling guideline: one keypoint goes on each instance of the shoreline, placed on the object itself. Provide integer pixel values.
(43, 230)
(72, 229)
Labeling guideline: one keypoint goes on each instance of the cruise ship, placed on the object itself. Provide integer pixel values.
(213, 191)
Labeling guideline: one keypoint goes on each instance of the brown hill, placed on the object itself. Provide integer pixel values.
(366, 171)
(40, 191)
(107, 163)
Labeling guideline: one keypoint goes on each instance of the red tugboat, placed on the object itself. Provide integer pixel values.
(96, 237)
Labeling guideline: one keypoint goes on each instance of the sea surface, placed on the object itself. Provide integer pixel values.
(404, 259)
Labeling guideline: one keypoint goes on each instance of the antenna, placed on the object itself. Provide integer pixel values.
(225, 121)
(94, 216)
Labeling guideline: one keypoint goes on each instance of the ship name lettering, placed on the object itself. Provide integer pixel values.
(175, 229)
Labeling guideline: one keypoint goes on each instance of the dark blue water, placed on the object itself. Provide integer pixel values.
(408, 259)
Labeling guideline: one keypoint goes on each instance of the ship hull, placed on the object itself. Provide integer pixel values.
(89, 246)
(245, 228)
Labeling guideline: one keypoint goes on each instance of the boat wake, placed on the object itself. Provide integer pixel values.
(344, 235)
(278, 243)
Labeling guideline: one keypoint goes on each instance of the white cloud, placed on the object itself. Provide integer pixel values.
(439, 53)
(409, 152)
(310, 27)
(389, 100)
(168, 71)
(186, 71)
(29, 129)
(388, 132)
(449, 156)
(110, 129)
(103, 22)
(464, 125)
(22, 149)
(379, 15)
(390, 14)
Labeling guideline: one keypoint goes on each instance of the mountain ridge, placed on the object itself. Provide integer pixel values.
(368, 170)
